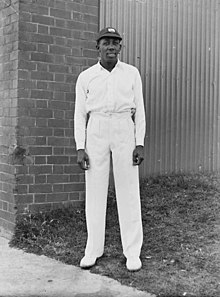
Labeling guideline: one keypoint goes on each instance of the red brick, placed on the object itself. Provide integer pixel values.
(7, 216)
(91, 3)
(70, 97)
(40, 169)
(40, 188)
(55, 104)
(42, 29)
(40, 198)
(40, 150)
(60, 87)
(58, 141)
(41, 103)
(23, 102)
(47, 3)
(68, 151)
(57, 160)
(70, 78)
(77, 60)
(76, 25)
(70, 169)
(74, 6)
(12, 208)
(60, 4)
(58, 123)
(90, 53)
(27, 121)
(25, 16)
(59, 59)
(58, 169)
(57, 197)
(57, 178)
(74, 178)
(42, 66)
(60, 13)
(82, 197)
(45, 20)
(24, 199)
(39, 94)
(59, 77)
(58, 68)
(74, 187)
(29, 65)
(27, 46)
(43, 85)
(69, 114)
(58, 151)
(41, 113)
(21, 189)
(26, 84)
(43, 57)
(5, 206)
(42, 38)
(60, 32)
(40, 140)
(60, 41)
(32, 8)
(58, 188)
(40, 179)
(40, 160)
(58, 132)
(60, 50)
(53, 37)
(91, 19)
(25, 179)
(23, 74)
(41, 75)
(35, 208)
(27, 27)
(41, 122)
(43, 48)
(60, 23)
(74, 196)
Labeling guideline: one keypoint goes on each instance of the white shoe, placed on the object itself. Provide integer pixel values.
(133, 263)
(87, 262)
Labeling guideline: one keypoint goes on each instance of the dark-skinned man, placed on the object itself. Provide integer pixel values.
(110, 95)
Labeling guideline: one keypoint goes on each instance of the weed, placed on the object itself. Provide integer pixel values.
(181, 250)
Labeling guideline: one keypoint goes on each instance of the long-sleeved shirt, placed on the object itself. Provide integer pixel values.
(98, 90)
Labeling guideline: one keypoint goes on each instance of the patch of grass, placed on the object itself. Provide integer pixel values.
(181, 250)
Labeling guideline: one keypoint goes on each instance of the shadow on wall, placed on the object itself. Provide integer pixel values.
(20, 156)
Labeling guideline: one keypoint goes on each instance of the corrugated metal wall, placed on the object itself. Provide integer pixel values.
(176, 46)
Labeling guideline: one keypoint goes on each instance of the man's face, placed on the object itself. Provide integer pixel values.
(109, 49)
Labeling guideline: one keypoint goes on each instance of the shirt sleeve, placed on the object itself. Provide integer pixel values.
(80, 114)
(140, 122)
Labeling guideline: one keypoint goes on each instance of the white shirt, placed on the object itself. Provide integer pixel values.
(98, 90)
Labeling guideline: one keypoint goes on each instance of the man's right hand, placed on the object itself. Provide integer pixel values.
(83, 159)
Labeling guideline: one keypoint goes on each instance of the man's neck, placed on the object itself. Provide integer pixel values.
(108, 65)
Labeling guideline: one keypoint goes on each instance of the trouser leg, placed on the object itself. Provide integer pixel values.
(127, 189)
(97, 178)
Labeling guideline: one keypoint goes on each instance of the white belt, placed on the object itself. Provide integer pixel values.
(109, 114)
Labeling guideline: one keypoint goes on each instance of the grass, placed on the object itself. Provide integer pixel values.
(181, 250)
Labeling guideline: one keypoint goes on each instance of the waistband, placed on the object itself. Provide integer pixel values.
(122, 114)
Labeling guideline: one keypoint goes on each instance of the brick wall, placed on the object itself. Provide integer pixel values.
(56, 42)
(8, 110)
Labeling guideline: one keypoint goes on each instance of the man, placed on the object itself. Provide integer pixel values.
(110, 94)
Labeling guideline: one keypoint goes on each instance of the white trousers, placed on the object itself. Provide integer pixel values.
(112, 133)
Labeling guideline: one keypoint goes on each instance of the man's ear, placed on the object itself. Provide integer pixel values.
(97, 46)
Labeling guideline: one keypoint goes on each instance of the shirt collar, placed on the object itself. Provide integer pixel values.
(118, 64)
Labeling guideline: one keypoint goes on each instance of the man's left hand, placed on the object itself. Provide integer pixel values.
(138, 155)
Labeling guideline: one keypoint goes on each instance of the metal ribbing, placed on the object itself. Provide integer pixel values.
(176, 46)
